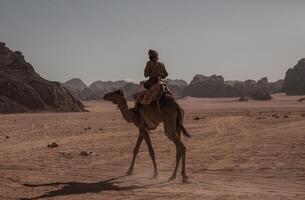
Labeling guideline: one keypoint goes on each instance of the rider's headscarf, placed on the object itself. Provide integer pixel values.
(153, 55)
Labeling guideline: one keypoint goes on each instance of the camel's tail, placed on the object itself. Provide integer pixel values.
(184, 131)
(180, 121)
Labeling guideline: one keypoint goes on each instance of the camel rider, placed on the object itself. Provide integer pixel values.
(154, 69)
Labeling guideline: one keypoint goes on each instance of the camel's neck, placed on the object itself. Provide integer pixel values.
(123, 106)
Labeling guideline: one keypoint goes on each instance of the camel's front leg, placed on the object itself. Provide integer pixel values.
(151, 151)
(135, 153)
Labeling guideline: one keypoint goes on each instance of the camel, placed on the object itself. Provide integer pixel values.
(146, 118)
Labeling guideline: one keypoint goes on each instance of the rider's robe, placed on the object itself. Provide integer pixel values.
(155, 71)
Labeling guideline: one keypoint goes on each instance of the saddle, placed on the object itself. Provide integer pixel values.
(154, 94)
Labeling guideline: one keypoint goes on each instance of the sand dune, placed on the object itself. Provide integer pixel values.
(253, 150)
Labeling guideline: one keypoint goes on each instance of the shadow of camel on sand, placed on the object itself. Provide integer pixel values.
(70, 188)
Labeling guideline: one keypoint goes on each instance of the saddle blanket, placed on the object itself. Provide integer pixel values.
(146, 97)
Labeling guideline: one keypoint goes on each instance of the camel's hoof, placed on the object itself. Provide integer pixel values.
(185, 179)
(129, 172)
(173, 177)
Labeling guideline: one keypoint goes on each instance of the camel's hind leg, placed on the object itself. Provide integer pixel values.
(180, 153)
(135, 153)
(151, 150)
(178, 158)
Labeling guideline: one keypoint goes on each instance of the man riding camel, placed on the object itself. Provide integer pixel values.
(154, 104)
(156, 71)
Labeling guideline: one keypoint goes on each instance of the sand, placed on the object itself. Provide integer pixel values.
(238, 150)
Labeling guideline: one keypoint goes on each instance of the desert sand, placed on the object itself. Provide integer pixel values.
(238, 150)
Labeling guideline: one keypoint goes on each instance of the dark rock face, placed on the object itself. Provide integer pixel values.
(22, 89)
(9, 106)
(294, 82)
(215, 86)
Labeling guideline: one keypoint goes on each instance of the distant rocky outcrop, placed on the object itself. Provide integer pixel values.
(216, 86)
(75, 86)
(130, 89)
(178, 82)
(75, 83)
(80, 90)
(204, 86)
(108, 85)
(22, 89)
(201, 86)
(97, 89)
(294, 82)
(176, 86)
(276, 87)
(88, 94)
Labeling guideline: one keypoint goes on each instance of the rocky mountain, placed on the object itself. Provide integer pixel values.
(294, 82)
(204, 86)
(176, 86)
(216, 86)
(276, 87)
(130, 89)
(200, 86)
(88, 94)
(80, 90)
(22, 89)
(97, 89)
(75, 83)
(108, 85)
(178, 82)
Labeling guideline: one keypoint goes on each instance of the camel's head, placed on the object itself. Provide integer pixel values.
(113, 96)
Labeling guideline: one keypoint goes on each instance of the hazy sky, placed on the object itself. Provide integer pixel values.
(109, 40)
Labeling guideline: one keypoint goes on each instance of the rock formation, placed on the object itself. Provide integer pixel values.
(178, 82)
(130, 89)
(215, 86)
(22, 89)
(203, 86)
(276, 87)
(176, 86)
(200, 86)
(108, 85)
(9, 106)
(75, 83)
(97, 89)
(294, 82)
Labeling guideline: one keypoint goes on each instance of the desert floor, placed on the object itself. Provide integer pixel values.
(238, 150)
